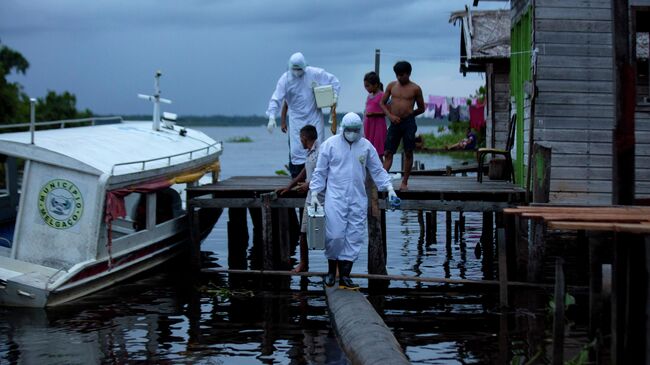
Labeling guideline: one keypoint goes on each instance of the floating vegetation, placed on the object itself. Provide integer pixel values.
(224, 294)
(281, 173)
(244, 139)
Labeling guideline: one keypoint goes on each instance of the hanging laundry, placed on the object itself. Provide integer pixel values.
(438, 112)
(464, 112)
(454, 113)
(477, 116)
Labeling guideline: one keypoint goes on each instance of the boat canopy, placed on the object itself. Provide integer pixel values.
(113, 149)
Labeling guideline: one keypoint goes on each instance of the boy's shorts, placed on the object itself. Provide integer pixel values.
(404, 131)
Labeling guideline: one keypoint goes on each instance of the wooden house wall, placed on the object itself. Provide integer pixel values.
(498, 76)
(574, 105)
(642, 151)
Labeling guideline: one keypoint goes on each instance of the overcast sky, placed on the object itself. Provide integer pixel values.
(225, 56)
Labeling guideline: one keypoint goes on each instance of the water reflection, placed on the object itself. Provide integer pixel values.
(156, 321)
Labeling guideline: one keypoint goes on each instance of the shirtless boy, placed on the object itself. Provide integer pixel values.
(404, 95)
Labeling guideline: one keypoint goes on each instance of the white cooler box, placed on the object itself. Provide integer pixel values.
(324, 96)
(316, 228)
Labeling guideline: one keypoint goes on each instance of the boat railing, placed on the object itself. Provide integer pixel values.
(63, 123)
(191, 154)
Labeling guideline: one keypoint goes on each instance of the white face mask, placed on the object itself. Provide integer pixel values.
(297, 73)
(351, 136)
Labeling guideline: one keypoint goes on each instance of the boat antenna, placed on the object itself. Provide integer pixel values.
(156, 99)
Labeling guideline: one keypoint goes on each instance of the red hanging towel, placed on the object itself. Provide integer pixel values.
(477, 116)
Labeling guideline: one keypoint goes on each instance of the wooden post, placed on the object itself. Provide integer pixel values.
(376, 245)
(487, 240)
(595, 297)
(258, 238)
(195, 238)
(237, 238)
(647, 298)
(503, 267)
(267, 233)
(624, 105)
(461, 225)
(421, 224)
(541, 174)
(377, 59)
(284, 242)
(448, 223)
(558, 314)
(487, 230)
(430, 221)
(536, 249)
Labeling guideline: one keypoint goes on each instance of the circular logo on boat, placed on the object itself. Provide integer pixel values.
(60, 203)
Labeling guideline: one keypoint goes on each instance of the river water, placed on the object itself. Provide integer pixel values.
(162, 317)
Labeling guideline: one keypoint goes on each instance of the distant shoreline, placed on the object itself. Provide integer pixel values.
(251, 120)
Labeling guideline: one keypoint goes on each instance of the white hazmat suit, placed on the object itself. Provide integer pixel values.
(297, 89)
(341, 172)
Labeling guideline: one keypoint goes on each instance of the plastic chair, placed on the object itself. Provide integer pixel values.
(481, 152)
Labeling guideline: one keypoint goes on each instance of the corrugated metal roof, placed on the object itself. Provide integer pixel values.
(105, 146)
(486, 33)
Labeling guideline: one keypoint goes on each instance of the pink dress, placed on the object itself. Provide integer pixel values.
(374, 128)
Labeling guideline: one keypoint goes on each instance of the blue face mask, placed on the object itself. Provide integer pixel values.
(297, 72)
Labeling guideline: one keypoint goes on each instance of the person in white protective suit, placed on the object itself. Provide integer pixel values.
(296, 87)
(341, 172)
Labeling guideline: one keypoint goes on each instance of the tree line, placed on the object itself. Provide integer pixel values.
(14, 102)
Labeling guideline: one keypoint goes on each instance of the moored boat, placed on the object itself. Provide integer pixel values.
(94, 202)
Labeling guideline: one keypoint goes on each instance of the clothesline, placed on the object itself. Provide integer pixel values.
(451, 59)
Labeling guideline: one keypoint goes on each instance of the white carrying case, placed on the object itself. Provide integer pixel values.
(316, 228)
(324, 96)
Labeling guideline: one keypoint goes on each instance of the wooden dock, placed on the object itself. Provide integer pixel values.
(272, 215)
(445, 193)
(352, 316)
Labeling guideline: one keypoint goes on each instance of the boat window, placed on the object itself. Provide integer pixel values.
(10, 172)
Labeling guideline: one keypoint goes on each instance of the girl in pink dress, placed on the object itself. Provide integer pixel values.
(374, 120)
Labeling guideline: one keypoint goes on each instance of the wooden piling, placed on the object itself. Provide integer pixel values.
(430, 222)
(237, 238)
(267, 233)
(376, 232)
(421, 224)
(362, 333)
(195, 239)
(503, 267)
(461, 224)
(558, 313)
(487, 229)
(448, 228)
(595, 242)
(283, 236)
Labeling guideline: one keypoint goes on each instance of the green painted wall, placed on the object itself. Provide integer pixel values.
(520, 73)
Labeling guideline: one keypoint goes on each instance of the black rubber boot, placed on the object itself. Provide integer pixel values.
(330, 278)
(345, 267)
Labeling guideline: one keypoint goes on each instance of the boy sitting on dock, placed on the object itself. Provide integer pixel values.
(309, 141)
(467, 144)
